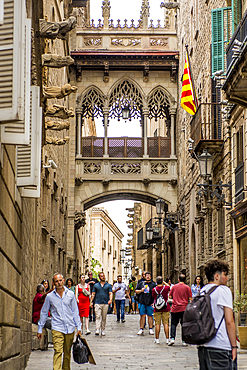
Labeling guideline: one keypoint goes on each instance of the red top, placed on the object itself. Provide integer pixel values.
(38, 302)
(165, 292)
(180, 297)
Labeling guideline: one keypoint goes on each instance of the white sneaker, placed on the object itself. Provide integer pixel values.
(171, 342)
(151, 332)
(167, 341)
(103, 333)
(97, 332)
(140, 332)
(184, 344)
(88, 332)
(157, 341)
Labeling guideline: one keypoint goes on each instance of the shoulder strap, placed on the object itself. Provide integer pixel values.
(212, 289)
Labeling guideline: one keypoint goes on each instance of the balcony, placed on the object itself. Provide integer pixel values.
(235, 85)
(126, 147)
(206, 128)
(141, 235)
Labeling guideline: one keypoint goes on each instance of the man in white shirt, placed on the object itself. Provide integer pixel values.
(221, 351)
(120, 289)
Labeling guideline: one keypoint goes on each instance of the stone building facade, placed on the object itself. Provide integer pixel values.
(106, 241)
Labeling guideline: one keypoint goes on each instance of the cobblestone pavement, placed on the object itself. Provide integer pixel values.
(121, 348)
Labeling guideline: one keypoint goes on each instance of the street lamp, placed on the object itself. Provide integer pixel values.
(126, 269)
(149, 234)
(160, 206)
(205, 164)
(122, 254)
(126, 112)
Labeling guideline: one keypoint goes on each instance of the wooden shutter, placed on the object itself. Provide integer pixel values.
(29, 156)
(236, 13)
(221, 34)
(17, 132)
(1, 11)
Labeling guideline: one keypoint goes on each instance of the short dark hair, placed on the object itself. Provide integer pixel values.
(69, 279)
(215, 265)
(147, 272)
(182, 278)
(159, 280)
(40, 288)
(133, 278)
(119, 276)
(167, 280)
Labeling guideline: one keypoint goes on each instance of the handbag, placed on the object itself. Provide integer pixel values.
(80, 351)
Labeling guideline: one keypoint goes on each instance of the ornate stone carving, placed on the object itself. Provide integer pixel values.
(145, 13)
(159, 168)
(80, 219)
(58, 126)
(78, 181)
(125, 42)
(56, 61)
(92, 41)
(53, 30)
(81, 17)
(56, 141)
(56, 110)
(160, 42)
(126, 168)
(146, 181)
(51, 92)
(170, 5)
(33, 61)
(92, 168)
(106, 9)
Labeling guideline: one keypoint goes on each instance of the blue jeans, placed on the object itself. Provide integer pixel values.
(120, 303)
(214, 358)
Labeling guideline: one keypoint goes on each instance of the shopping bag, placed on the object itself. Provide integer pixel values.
(80, 351)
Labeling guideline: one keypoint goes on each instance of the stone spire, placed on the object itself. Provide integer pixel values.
(106, 12)
(145, 13)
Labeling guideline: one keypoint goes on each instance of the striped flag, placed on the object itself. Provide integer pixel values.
(188, 96)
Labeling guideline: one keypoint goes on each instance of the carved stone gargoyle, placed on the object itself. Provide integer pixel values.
(80, 219)
(56, 61)
(58, 126)
(56, 141)
(60, 111)
(51, 92)
(53, 30)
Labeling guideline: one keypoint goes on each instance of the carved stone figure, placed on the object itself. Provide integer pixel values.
(56, 141)
(106, 9)
(80, 219)
(56, 61)
(170, 5)
(53, 30)
(58, 126)
(56, 110)
(51, 92)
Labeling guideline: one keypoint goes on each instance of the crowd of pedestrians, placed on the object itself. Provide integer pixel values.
(63, 307)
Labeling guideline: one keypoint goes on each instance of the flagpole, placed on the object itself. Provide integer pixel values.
(192, 79)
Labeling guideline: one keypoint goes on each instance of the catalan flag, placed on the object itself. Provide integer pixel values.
(188, 96)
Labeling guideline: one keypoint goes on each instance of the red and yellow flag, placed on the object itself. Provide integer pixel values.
(188, 96)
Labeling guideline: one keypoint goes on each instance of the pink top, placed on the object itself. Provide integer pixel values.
(180, 297)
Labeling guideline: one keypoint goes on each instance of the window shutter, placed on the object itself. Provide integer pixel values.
(1, 11)
(17, 132)
(29, 156)
(12, 59)
(221, 33)
(236, 13)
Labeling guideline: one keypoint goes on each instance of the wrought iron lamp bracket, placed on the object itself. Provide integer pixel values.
(205, 189)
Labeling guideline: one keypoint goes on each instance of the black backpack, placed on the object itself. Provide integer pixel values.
(160, 302)
(80, 351)
(198, 323)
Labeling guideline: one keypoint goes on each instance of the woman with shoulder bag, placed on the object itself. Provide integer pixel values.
(82, 295)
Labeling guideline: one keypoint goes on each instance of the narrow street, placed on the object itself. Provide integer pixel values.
(121, 348)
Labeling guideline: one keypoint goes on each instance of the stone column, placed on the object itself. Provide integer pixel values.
(78, 131)
(145, 119)
(172, 112)
(106, 13)
(105, 113)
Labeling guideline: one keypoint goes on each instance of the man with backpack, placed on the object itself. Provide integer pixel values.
(161, 308)
(144, 292)
(181, 295)
(221, 350)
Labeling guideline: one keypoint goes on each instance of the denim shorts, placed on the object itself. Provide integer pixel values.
(132, 299)
(216, 359)
(146, 310)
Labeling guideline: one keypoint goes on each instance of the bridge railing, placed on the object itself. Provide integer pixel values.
(126, 147)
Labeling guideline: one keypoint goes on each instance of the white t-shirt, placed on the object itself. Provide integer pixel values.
(220, 298)
(120, 294)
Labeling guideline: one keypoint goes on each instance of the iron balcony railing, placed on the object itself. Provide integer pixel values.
(239, 183)
(126, 147)
(240, 34)
(207, 123)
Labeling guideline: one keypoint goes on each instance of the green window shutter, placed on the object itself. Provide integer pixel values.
(221, 33)
(236, 13)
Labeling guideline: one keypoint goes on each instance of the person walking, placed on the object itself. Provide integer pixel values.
(46, 285)
(132, 288)
(65, 317)
(163, 313)
(70, 285)
(102, 293)
(181, 295)
(144, 291)
(120, 289)
(221, 351)
(91, 281)
(196, 287)
(38, 302)
(82, 294)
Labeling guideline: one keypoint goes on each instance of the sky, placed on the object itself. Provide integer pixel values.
(121, 10)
